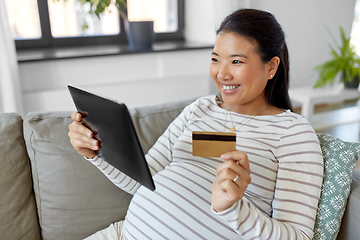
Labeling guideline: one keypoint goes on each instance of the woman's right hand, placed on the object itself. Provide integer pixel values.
(81, 137)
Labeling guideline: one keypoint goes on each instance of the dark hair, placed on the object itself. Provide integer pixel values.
(262, 27)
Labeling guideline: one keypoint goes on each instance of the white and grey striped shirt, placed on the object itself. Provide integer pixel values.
(280, 202)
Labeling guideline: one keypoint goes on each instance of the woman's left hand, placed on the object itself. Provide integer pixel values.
(232, 179)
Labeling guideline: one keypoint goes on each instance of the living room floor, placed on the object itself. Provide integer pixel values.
(347, 131)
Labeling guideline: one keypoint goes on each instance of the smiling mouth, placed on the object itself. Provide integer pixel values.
(230, 87)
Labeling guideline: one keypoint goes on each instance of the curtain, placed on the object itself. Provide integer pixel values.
(10, 91)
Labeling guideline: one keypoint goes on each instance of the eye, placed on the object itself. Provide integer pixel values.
(237, 62)
(214, 60)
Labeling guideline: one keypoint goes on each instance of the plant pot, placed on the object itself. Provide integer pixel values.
(353, 84)
(140, 35)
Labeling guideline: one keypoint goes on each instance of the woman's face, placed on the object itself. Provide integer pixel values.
(239, 73)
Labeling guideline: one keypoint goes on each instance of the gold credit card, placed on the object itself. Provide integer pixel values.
(212, 144)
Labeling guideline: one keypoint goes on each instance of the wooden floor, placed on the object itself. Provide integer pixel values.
(340, 120)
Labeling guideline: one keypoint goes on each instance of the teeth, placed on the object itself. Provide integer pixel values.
(230, 87)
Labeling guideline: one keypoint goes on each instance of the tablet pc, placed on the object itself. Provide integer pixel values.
(113, 128)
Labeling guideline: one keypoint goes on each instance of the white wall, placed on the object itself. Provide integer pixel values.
(151, 78)
(203, 17)
(304, 22)
(136, 80)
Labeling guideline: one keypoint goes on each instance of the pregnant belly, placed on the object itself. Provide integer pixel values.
(179, 207)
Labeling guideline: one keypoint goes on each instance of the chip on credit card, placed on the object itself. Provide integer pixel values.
(212, 144)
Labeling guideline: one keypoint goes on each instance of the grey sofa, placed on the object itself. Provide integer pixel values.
(48, 191)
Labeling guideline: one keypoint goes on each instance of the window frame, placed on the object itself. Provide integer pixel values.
(47, 41)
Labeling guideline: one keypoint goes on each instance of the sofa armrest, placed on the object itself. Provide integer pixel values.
(350, 223)
(18, 216)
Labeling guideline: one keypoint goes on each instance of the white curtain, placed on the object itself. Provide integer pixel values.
(10, 91)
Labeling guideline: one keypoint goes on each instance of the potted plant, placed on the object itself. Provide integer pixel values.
(140, 34)
(346, 62)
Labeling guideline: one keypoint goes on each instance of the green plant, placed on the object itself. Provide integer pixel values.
(98, 7)
(346, 62)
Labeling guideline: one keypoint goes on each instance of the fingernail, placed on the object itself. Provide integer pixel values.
(89, 134)
(94, 142)
(224, 156)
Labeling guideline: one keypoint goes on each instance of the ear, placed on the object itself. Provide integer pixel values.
(273, 66)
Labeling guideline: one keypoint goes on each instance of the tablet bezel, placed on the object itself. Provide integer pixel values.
(112, 126)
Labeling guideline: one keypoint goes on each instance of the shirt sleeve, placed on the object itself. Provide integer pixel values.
(297, 190)
(158, 157)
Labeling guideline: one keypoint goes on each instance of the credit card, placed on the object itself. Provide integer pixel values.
(212, 144)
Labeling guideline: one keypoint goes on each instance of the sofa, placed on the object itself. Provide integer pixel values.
(48, 191)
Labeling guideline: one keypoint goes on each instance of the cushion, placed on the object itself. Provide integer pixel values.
(74, 198)
(339, 161)
(18, 216)
(151, 122)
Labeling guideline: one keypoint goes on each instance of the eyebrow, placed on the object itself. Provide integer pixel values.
(238, 55)
(233, 55)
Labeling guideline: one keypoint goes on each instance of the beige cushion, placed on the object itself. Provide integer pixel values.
(18, 216)
(74, 198)
(150, 122)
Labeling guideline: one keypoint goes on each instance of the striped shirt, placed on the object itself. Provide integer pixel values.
(280, 202)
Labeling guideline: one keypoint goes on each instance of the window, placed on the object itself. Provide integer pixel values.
(58, 23)
(28, 25)
(355, 31)
(67, 19)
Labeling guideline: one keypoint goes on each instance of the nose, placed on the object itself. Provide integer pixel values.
(224, 73)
